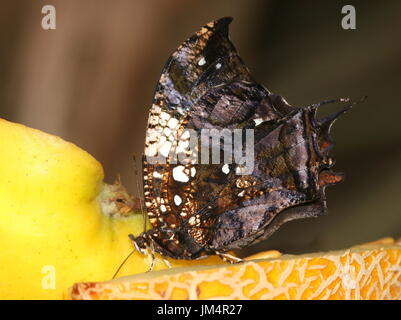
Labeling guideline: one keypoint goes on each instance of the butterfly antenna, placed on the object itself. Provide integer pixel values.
(340, 100)
(122, 263)
(138, 187)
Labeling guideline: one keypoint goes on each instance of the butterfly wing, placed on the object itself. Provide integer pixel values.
(205, 68)
(199, 206)
(291, 173)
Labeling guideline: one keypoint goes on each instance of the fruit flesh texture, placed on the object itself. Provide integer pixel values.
(370, 271)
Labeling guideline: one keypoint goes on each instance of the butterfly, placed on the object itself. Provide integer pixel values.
(197, 209)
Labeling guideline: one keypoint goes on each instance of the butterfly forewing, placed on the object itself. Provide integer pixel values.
(204, 61)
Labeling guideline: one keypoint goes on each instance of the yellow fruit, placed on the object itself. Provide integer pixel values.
(58, 220)
(371, 271)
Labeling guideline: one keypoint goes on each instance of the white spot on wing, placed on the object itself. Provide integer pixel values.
(185, 135)
(172, 123)
(192, 220)
(257, 121)
(202, 61)
(152, 135)
(177, 200)
(153, 120)
(240, 170)
(162, 140)
(157, 175)
(179, 174)
(166, 131)
(165, 149)
(183, 145)
(225, 169)
(165, 116)
(156, 108)
(151, 150)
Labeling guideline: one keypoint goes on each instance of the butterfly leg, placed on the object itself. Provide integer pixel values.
(167, 263)
(229, 258)
(145, 249)
(151, 251)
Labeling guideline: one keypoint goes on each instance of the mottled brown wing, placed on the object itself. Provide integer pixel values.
(188, 74)
(203, 208)
(288, 182)
(203, 81)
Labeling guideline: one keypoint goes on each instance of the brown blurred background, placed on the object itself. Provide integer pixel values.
(91, 81)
